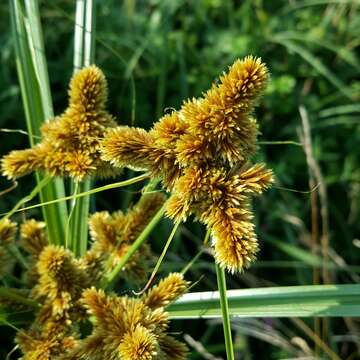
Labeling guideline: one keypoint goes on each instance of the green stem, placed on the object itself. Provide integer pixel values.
(197, 256)
(86, 193)
(37, 102)
(12, 294)
(221, 280)
(84, 55)
(111, 277)
(41, 184)
(161, 258)
(13, 249)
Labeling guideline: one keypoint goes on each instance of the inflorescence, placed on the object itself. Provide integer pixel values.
(70, 142)
(202, 154)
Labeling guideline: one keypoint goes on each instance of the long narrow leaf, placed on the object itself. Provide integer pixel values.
(315, 63)
(32, 72)
(84, 54)
(289, 301)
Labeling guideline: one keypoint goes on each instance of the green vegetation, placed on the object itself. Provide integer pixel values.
(156, 53)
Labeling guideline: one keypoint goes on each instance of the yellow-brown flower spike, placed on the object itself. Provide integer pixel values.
(128, 328)
(202, 154)
(33, 237)
(7, 261)
(7, 231)
(61, 279)
(172, 348)
(113, 234)
(139, 344)
(36, 347)
(167, 291)
(125, 146)
(70, 142)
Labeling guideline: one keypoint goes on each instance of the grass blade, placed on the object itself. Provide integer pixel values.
(34, 84)
(277, 302)
(315, 63)
(84, 55)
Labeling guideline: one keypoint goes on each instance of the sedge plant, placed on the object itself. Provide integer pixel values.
(198, 161)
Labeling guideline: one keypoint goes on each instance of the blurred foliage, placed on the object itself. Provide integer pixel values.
(157, 53)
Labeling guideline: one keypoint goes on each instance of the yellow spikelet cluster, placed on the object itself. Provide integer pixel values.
(60, 283)
(33, 240)
(8, 231)
(113, 234)
(131, 328)
(202, 153)
(70, 142)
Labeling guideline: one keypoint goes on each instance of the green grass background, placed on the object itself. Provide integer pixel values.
(157, 53)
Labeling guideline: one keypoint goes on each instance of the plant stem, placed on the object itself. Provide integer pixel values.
(84, 55)
(220, 274)
(13, 249)
(161, 258)
(111, 277)
(36, 96)
(79, 195)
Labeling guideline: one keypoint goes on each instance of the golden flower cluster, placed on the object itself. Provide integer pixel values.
(8, 231)
(70, 142)
(131, 328)
(68, 292)
(113, 234)
(202, 154)
(125, 328)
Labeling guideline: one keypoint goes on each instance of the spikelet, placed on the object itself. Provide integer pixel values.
(7, 237)
(33, 237)
(125, 146)
(61, 279)
(7, 262)
(167, 291)
(70, 142)
(7, 231)
(140, 215)
(113, 234)
(36, 347)
(139, 344)
(172, 348)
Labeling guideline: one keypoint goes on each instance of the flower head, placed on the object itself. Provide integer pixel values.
(202, 154)
(131, 328)
(70, 142)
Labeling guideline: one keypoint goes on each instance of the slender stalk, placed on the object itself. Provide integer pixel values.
(79, 195)
(111, 277)
(13, 249)
(220, 274)
(84, 55)
(13, 295)
(36, 96)
(161, 258)
(41, 184)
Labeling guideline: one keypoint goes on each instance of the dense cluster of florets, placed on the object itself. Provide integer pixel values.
(70, 142)
(202, 154)
(67, 291)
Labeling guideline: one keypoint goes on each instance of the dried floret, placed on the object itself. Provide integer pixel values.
(167, 291)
